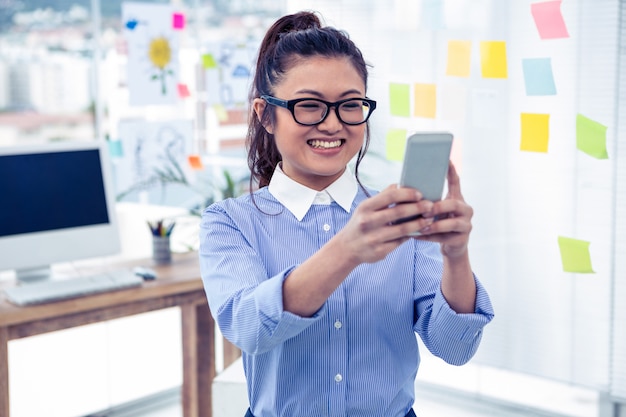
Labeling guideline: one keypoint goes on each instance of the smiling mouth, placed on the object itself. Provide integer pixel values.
(325, 144)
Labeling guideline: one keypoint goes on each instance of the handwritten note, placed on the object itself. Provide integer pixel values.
(493, 59)
(549, 20)
(535, 132)
(395, 144)
(459, 58)
(591, 137)
(538, 78)
(575, 255)
(399, 99)
(425, 100)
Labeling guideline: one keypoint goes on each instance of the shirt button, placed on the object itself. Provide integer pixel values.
(326, 227)
(338, 378)
(338, 324)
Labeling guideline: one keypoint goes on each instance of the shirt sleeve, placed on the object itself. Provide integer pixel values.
(246, 303)
(449, 335)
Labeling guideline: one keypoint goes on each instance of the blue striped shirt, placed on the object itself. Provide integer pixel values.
(358, 355)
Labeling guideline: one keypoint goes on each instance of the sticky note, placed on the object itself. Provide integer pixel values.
(208, 61)
(115, 148)
(195, 161)
(535, 132)
(432, 12)
(485, 103)
(452, 102)
(493, 59)
(220, 111)
(178, 21)
(183, 90)
(538, 78)
(575, 255)
(425, 100)
(591, 137)
(395, 144)
(399, 99)
(459, 58)
(549, 20)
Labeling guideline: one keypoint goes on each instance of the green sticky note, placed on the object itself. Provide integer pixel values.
(575, 255)
(591, 137)
(395, 144)
(208, 61)
(493, 59)
(399, 99)
(535, 132)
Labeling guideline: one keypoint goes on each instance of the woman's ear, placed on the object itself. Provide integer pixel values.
(258, 105)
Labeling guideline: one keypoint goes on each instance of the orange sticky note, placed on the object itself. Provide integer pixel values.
(493, 59)
(425, 100)
(459, 58)
(535, 132)
(195, 162)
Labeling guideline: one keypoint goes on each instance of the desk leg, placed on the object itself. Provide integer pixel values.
(4, 371)
(198, 360)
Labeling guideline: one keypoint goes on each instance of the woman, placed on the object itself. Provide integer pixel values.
(309, 275)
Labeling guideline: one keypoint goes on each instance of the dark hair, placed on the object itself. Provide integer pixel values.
(290, 39)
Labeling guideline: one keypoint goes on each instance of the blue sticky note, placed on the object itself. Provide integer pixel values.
(538, 77)
(115, 148)
(433, 16)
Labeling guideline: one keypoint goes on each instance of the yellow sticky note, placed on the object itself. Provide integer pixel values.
(575, 255)
(591, 137)
(425, 100)
(493, 59)
(395, 144)
(535, 132)
(459, 58)
(399, 99)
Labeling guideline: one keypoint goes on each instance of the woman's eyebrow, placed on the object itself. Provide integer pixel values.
(318, 94)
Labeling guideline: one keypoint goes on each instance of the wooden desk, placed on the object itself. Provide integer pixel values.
(177, 285)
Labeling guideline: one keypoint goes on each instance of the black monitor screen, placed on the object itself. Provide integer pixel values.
(50, 191)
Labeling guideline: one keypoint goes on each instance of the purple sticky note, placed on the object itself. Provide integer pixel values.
(549, 20)
(178, 21)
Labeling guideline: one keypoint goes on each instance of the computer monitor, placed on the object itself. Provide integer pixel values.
(56, 205)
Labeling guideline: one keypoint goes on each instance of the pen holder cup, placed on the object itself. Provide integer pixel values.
(161, 252)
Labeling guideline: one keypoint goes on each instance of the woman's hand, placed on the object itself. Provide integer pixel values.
(372, 232)
(454, 222)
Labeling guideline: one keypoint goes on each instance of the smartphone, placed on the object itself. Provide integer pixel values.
(425, 165)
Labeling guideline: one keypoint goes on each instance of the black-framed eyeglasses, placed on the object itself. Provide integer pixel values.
(313, 111)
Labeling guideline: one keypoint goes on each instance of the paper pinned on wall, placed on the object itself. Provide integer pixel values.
(493, 59)
(453, 102)
(591, 137)
(178, 21)
(538, 77)
(395, 144)
(432, 12)
(459, 58)
(399, 99)
(575, 256)
(549, 20)
(195, 162)
(535, 132)
(425, 96)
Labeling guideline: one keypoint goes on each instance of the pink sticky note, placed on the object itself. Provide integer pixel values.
(549, 20)
(183, 91)
(178, 21)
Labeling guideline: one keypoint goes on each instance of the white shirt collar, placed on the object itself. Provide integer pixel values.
(298, 198)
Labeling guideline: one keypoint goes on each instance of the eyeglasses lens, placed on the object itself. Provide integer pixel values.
(311, 112)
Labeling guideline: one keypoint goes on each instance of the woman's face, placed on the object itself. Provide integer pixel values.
(316, 156)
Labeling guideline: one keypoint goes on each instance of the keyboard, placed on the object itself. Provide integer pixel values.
(57, 290)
